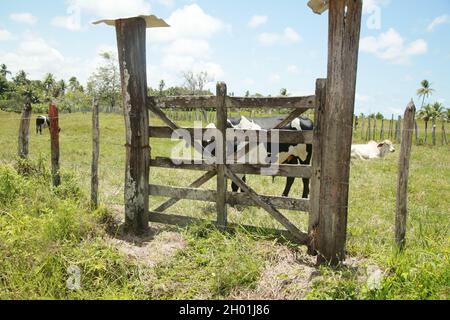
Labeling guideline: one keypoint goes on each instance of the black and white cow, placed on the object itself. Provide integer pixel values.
(42, 122)
(284, 153)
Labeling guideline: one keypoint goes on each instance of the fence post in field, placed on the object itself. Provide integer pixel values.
(391, 127)
(343, 44)
(369, 130)
(433, 132)
(131, 42)
(374, 129)
(54, 138)
(221, 154)
(444, 135)
(416, 131)
(356, 125)
(403, 172)
(363, 123)
(382, 130)
(24, 130)
(398, 130)
(321, 94)
(95, 154)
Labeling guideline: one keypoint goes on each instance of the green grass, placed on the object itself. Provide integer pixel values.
(45, 231)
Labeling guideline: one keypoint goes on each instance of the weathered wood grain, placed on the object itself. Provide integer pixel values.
(24, 130)
(403, 173)
(221, 154)
(95, 154)
(54, 140)
(131, 42)
(343, 44)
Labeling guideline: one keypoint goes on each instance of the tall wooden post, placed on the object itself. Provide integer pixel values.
(321, 94)
(95, 154)
(403, 172)
(343, 45)
(362, 127)
(24, 130)
(398, 130)
(221, 154)
(54, 138)
(382, 130)
(131, 42)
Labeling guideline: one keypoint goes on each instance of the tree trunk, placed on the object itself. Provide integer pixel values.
(433, 132)
(426, 132)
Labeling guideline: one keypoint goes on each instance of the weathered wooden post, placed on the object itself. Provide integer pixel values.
(95, 154)
(433, 132)
(444, 135)
(382, 130)
(221, 154)
(131, 42)
(391, 127)
(24, 130)
(416, 130)
(343, 45)
(321, 94)
(54, 138)
(374, 129)
(356, 124)
(369, 129)
(398, 130)
(363, 124)
(403, 172)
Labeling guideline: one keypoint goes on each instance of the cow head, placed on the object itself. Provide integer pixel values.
(386, 147)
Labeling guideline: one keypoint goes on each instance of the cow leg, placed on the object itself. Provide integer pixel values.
(235, 188)
(289, 182)
(305, 189)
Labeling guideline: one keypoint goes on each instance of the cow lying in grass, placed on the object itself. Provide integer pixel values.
(372, 150)
(286, 154)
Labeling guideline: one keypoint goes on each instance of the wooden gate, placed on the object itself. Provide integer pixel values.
(229, 172)
(334, 104)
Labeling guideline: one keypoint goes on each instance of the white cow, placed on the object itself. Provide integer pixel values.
(372, 150)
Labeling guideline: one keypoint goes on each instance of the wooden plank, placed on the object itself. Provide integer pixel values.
(95, 154)
(24, 130)
(173, 126)
(196, 184)
(233, 198)
(221, 154)
(302, 103)
(344, 32)
(183, 222)
(284, 136)
(131, 42)
(284, 170)
(277, 215)
(185, 102)
(54, 139)
(321, 94)
(294, 115)
(403, 174)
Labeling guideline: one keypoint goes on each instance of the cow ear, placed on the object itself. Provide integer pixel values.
(381, 145)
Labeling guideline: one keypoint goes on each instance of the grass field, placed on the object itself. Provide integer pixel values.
(44, 231)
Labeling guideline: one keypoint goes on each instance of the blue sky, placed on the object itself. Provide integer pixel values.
(256, 45)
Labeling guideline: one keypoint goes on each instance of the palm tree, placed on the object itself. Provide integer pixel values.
(437, 113)
(426, 114)
(4, 70)
(74, 84)
(21, 78)
(49, 84)
(425, 91)
(61, 88)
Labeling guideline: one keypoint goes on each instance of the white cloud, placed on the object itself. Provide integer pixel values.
(361, 98)
(5, 35)
(390, 46)
(292, 69)
(274, 78)
(289, 36)
(67, 22)
(23, 17)
(167, 3)
(370, 5)
(37, 57)
(189, 22)
(257, 21)
(185, 46)
(112, 8)
(438, 21)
